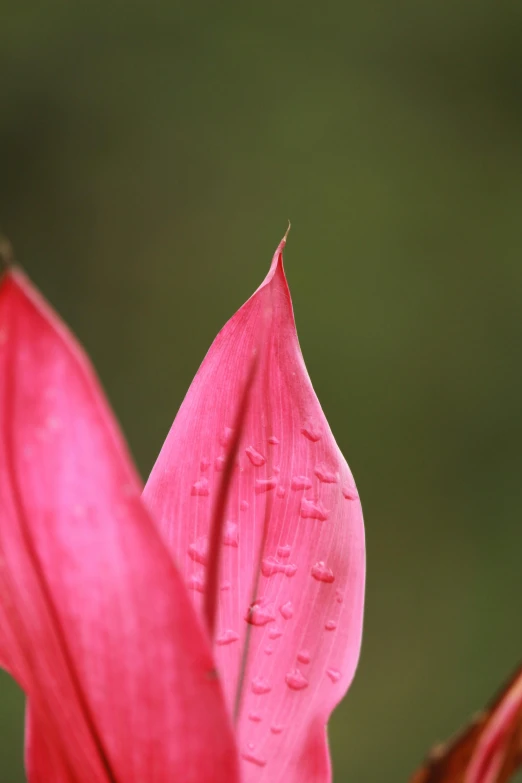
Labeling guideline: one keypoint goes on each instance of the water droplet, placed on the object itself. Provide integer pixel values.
(200, 488)
(260, 686)
(296, 680)
(226, 436)
(243, 505)
(330, 625)
(204, 464)
(334, 674)
(324, 474)
(287, 610)
(259, 614)
(281, 491)
(255, 457)
(276, 729)
(273, 440)
(219, 463)
(269, 649)
(255, 717)
(271, 566)
(303, 656)
(322, 573)
(226, 585)
(265, 485)
(284, 550)
(312, 510)
(275, 633)
(198, 551)
(300, 482)
(231, 534)
(196, 582)
(311, 430)
(253, 759)
(339, 597)
(227, 637)
(349, 493)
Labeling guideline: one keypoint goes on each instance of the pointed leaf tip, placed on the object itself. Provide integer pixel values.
(276, 266)
(292, 586)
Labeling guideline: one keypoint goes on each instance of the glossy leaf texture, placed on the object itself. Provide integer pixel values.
(291, 583)
(95, 622)
(489, 750)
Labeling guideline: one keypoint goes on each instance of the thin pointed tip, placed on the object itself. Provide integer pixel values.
(278, 257)
(277, 262)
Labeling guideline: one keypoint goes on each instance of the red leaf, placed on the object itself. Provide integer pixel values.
(95, 622)
(43, 761)
(489, 750)
(291, 586)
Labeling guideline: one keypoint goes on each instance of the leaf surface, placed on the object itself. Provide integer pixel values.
(95, 622)
(292, 559)
(488, 750)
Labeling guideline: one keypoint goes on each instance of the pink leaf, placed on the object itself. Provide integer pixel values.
(95, 622)
(43, 762)
(488, 749)
(499, 750)
(297, 574)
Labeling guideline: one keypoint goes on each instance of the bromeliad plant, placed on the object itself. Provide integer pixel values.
(203, 629)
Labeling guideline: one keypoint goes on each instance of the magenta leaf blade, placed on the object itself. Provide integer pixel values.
(96, 624)
(292, 584)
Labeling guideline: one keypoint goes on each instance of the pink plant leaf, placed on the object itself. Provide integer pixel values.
(291, 584)
(488, 749)
(95, 622)
(43, 761)
(499, 751)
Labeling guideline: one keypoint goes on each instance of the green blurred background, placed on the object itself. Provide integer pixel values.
(150, 156)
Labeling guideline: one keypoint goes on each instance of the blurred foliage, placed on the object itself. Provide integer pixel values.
(150, 156)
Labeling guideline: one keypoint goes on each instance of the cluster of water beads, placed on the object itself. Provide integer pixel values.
(262, 613)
